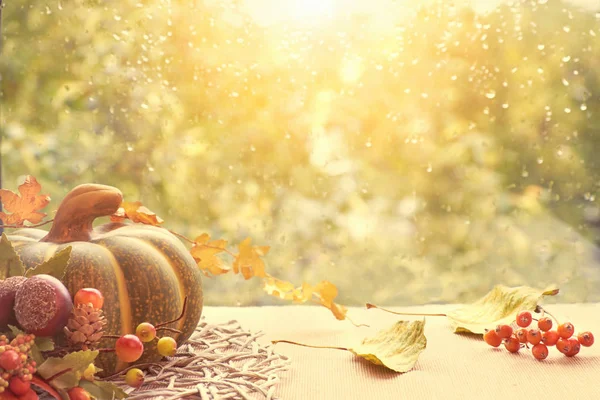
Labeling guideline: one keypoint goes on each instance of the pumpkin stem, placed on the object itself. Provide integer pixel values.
(78, 210)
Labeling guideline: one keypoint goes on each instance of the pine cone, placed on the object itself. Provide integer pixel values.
(85, 327)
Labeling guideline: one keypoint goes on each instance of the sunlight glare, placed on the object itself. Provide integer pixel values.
(268, 12)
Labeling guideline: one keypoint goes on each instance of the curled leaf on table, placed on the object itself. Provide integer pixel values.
(396, 348)
(24, 206)
(499, 306)
(136, 212)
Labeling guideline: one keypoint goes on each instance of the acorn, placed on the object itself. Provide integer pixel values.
(8, 290)
(42, 305)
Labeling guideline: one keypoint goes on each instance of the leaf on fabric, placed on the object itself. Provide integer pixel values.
(24, 206)
(248, 261)
(205, 253)
(76, 362)
(499, 306)
(10, 262)
(396, 348)
(55, 265)
(136, 212)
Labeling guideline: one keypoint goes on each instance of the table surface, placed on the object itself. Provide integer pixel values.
(451, 367)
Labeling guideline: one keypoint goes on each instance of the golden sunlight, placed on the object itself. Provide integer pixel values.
(268, 12)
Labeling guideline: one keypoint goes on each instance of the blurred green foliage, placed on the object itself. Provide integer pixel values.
(408, 155)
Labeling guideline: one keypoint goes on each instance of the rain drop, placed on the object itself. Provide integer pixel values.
(567, 110)
(583, 107)
(540, 160)
(566, 58)
(505, 106)
(490, 94)
(565, 82)
(541, 47)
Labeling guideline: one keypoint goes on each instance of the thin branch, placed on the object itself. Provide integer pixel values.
(544, 311)
(110, 336)
(176, 319)
(369, 306)
(310, 345)
(166, 328)
(180, 236)
(355, 324)
(27, 226)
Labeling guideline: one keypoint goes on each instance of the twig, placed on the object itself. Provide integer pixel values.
(180, 236)
(176, 319)
(59, 373)
(27, 226)
(310, 345)
(369, 306)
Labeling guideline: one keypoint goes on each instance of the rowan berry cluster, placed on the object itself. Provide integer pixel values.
(16, 367)
(517, 336)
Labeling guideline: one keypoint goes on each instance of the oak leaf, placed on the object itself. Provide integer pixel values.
(248, 261)
(136, 212)
(499, 306)
(205, 253)
(26, 206)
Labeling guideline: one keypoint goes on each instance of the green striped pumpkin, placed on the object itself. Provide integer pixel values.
(144, 272)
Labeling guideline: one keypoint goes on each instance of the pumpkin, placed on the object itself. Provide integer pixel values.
(144, 272)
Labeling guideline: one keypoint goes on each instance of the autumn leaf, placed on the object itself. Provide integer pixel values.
(136, 212)
(26, 206)
(278, 288)
(10, 263)
(55, 265)
(249, 261)
(326, 292)
(396, 348)
(75, 362)
(205, 253)
(499, 306)
(103, 389)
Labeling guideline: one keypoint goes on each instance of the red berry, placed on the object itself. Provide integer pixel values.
(545, 324)
(574, 347)
(89, 295)
(129, 348)
(540, 351)
(534, 336)
(586, 339)
(522, 335)
(10, 360)
(18, 386)
(524, 319)
(565, 330)
(492, 338)
(512, 344)
(563, 345)
(8, 395)
(79, 393)
(550, 338)
(504, 331)
(29, 395)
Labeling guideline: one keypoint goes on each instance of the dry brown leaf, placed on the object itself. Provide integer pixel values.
(26, 206)
(205, 253)
(136, 212)
(499, 306)
(248, 261)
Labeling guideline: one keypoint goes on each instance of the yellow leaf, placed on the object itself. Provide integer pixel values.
(499, 306)
(303, 293)
(327, 291)
(136, 212)
(278, 288)
(248, 262)
(205, 253)
(397, 348)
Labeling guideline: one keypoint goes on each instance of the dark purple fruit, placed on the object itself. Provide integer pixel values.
(43, 305)
(8, 289)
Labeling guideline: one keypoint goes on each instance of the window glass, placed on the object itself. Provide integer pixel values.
(409, 152)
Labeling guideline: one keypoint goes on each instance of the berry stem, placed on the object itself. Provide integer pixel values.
(59, 373)
(106, 350)
(309, 345)
(369, 306)
(110, 336)
(544, 311)
(166, 328)
(176, 319)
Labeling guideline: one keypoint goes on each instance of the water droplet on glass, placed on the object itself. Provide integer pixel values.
(505, 106)
(129, 147)
(540, 160)
(379, 67)
(491, 94)
(567, 110)
(567, 28)
(429, 168)
(525, 173)
(453, 77)
(583, 107)
(540, 47)
(565, 82)
(368, 144)
(144, 106)
(235, 94)
(542, 1)
(566, 58)
(252, 148)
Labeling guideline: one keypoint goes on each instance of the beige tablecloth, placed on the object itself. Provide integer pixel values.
(451, 367)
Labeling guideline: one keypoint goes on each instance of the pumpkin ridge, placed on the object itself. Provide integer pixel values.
(124, 302)
(180, 282)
